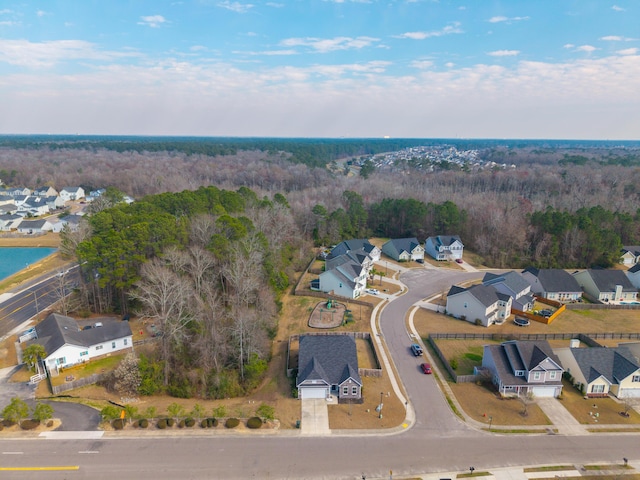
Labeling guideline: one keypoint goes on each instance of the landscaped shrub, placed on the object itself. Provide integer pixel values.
(453, 363)
(49, 423)
(204, 423)
(189, 422)
(232, 422)
(143, 423)
(29, 424)
(181, 423)
(162, 423)
(254, 422)
(212, 422)
(8, 423)
(118, 424)
(170, 422)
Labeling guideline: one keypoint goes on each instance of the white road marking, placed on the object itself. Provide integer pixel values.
(13, 453)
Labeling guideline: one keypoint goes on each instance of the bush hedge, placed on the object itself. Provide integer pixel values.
(162, 423)
(118, 424)
(189, 422)
(232, 422)
(143, 423)
(29, 424)
(212, 422)
(254, 422)
(181, 423)
(170, 422)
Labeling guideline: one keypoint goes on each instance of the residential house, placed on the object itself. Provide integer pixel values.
(630, 255)
(94, 194)
(33, 206)
(9, 222)
(70, 221)
(328, 365)
(607, 286)
(67, 345)
(8, 209)
(35, 226)
(553, 283)
(479, 304)
(514, 285)
(358, 256)
(72, 193)
(348, 279)
(520, 368)
(54, 202)
(356, 244)
(18, 191)
(633, 274)
(45, 192)
(404, 249)
(600, 371)
(444, 247)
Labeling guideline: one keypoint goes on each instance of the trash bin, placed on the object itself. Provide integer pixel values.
(297, 423)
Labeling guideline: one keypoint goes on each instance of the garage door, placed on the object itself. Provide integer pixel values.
(310, 392)
(541, 392)
(632, 392)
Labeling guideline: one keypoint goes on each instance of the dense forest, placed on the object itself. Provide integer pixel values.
(208, 268)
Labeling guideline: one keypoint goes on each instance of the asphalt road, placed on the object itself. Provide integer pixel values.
(437, 443)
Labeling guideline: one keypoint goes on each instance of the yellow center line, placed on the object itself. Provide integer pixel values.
(25, 469)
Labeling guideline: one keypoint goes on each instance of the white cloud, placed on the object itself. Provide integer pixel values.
(504, 53)
(9, 23)
(197, 48)
(500, 18)
(153, 21)
(618, 9)
(616, 38)
(422, 64)
(324, 45)
(42, 13)
(269, 53)
(586, 48)
(449, 64)
(568, 45)
(447, 30)
(628, 51)
(46, 54)
(5, 11)
(275, 5)
(235, 6)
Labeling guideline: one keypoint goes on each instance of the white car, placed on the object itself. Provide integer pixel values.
(372, 291)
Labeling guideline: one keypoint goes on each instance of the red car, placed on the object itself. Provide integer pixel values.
(458, 260)
(426, 368)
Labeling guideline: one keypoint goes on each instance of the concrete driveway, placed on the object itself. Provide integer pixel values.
(315, 417)
(560, 417)
(8, 389)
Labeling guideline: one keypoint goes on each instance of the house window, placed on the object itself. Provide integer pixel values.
(82, 354)
(635, 378)
(98, 347)
(345, 390)
(465, 304)
(536, 375)
(354, 390)
(519, 373)
(61, 361)
(597, 388)
(125, 341)
(113, 344)
(552, 375)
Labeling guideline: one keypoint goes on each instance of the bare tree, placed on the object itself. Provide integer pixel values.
(164, 297)
(526, 400)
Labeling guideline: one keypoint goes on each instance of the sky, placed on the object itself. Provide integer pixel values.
(567, 69)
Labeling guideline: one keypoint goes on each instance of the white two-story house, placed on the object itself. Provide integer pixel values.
(479, 304)
(444, 247)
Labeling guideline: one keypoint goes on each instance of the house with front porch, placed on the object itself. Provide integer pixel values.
(630, 255)
(348, 279)
(328, 366)
(404, 249)
(10, 222)
(45, 192)
(444, 247)
(479, 304)
(66, 344)
(607, 286)
(514, 285)
(524, 367)
(31, 227)
(553, 283)
(355, 245)
(600, 371)
(72, 193)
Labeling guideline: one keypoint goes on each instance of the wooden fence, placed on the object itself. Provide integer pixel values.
(602, 306)
(81, 382)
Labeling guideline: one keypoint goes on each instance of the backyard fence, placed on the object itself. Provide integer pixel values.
(81, 382)
(601, 306)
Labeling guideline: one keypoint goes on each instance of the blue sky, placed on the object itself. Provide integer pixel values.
(322, 68)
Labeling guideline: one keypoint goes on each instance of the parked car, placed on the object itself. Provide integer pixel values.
(372, 291)
(458, 260)
(426, 368)
(546, 312)
(416, 349)
(420, 260)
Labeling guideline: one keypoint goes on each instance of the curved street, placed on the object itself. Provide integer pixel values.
(437, 443)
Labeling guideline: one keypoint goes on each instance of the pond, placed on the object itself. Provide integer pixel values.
(14, 259)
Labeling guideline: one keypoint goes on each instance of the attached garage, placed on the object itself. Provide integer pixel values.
(544, 392)
(313, 392)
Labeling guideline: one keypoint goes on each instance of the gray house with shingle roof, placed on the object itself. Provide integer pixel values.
(514, 285)
(353, 245)
(553, 283)
(404, 249)
(444, 247)
(524, 367)
(633, 274)
(67, 345)
(601, 371)
(607, 286)
(630, 255)
(479, 304)
(328, 365)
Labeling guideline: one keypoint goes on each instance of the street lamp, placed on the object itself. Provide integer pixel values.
(380, 415)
